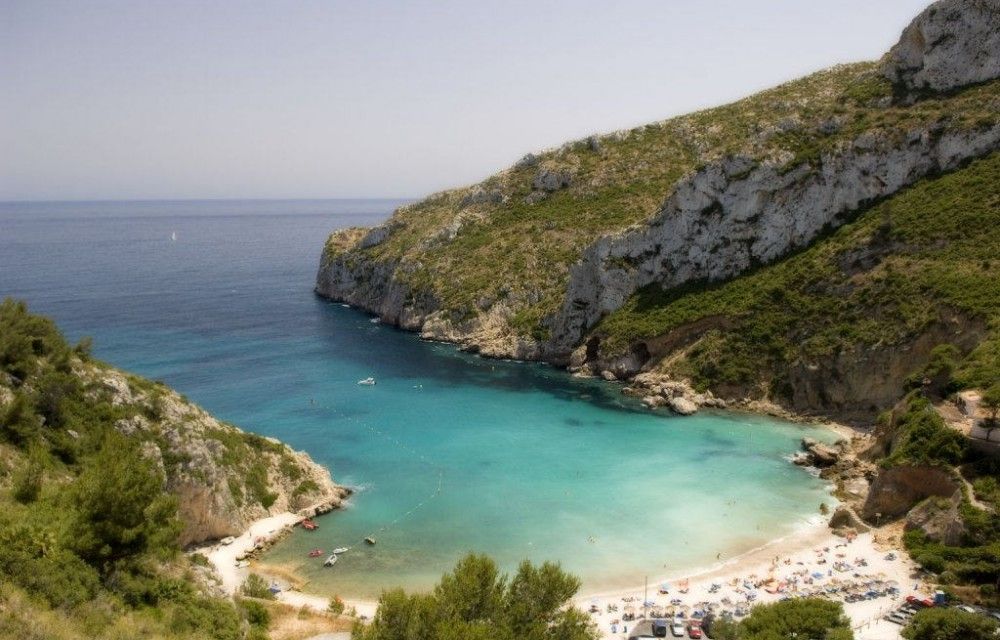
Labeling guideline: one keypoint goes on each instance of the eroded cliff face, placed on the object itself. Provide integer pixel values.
(224, 478)
(732, 214)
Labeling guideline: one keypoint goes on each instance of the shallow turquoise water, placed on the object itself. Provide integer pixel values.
(530, 462)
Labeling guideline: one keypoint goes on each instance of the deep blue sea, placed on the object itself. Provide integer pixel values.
(449, 452)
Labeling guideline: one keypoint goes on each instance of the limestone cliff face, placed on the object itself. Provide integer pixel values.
(223, 477)
(733, 215)
(950, 44)
(732, 212)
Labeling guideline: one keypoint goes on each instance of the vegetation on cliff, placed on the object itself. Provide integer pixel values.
(914, 435)
(927, 253)
(89, 528)
(512, 238)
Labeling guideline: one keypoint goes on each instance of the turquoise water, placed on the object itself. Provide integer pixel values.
(450, 453)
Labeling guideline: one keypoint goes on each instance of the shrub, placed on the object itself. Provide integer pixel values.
(256, 613)
(27, 485)
(336, 605)
(476, 601)
(121, 509)
(948, 624)
(804, 618)
(256, 587)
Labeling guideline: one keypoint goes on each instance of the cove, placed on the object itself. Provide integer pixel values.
(450, 452)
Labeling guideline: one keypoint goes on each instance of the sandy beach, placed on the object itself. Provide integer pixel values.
(811, 560)
(807, 561)
(226, 560)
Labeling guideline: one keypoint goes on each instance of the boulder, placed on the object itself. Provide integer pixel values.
(550, 180)
(939, 519)
(682, 406)
(952, 43)
(654, 401)
(844, 518)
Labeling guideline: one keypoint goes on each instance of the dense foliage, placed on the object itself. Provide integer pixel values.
(949, 624)
(476, 601)
(803, 618)
(975, 561)
(891, 275)
(920, 436)
(88, 536)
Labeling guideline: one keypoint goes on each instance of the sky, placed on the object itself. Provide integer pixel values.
(370, 98)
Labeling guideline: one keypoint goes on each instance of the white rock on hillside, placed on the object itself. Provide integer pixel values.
(952, 43)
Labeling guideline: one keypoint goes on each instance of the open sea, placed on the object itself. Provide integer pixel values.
(449, 452)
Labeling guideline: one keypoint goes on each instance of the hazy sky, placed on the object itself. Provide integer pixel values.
(225, 99)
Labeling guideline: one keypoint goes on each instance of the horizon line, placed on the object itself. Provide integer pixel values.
(234, 199)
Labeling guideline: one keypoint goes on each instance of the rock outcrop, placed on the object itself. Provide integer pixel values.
(224, 478)
(821, 455)
(939, 519)
(733, 215)
(844, 519)
(741, 203)
(952, 43)
(895, 491)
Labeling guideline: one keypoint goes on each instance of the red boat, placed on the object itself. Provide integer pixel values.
(315, 553)
(309, 525)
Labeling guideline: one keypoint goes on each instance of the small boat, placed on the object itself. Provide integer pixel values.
(315, 553)
(340, 550)
(330, 560)
(173, 236)
(369, 381)
(374, 321)
(370, 540)
(309, 525)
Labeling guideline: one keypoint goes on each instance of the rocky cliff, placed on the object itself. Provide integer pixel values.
(531, 262)
(224, 478)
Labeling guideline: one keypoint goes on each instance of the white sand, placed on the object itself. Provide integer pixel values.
(798, 557)
(223, 557)
(791, 560)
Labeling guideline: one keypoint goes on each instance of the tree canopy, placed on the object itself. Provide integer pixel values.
(477, 601)
(948, 624)
(802, 618)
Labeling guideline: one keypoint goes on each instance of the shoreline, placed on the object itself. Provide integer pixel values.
(798, 544)
(808, 550)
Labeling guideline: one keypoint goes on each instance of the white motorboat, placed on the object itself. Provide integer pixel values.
(330, 560)
(340, 550)
(367, 381)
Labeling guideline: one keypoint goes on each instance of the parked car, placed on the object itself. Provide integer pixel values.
(694, 631)
(677, 629)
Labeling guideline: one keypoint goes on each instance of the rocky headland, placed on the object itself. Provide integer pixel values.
(572, 256)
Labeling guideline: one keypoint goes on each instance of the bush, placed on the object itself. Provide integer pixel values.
(256, 613)
(949, 624)
(121, 509)
(476, 601)
(256, 587)
(27, 484)
(931, 562)
(803, 618)
(31, 558)
(336, 605)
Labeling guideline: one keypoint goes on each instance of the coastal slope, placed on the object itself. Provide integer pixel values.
(105, 476)
(529, 262)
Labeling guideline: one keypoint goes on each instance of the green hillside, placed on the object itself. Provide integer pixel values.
(885, 279)
(509, 240)
(89, 537)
